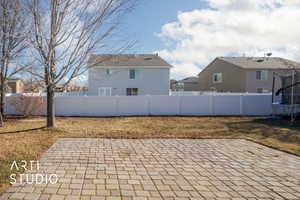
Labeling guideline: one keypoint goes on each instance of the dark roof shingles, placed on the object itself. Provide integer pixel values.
(261, 62)
(135, 60)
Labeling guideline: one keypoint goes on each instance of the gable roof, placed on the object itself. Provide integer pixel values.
(14, 80)
(128, 60)
(190, 79)
(261, 62)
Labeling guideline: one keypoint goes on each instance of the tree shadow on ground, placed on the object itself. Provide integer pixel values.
(23, 130)
(278, 128)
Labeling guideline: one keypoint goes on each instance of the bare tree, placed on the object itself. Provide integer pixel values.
(66, 32)
(33, 85)
(12, 43)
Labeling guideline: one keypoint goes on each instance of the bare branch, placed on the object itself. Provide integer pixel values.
(66, 32)
(13, 33)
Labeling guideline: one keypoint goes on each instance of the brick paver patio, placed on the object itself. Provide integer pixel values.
(114, 169)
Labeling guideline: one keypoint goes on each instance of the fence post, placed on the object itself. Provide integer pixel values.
(211, 104)
(241, 104)
(148, 105)
(179, 106)
(117, 106)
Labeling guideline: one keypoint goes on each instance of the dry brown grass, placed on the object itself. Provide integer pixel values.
(18, 140)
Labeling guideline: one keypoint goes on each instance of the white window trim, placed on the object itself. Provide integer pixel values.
(219, 81)
(264, 90)
(134, 77)
(104, 91)
(132, 89)
(108, 72)
(262, 78)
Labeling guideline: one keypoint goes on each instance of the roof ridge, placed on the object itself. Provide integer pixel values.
(124, 54)
(261, 62)
(248, 57)
(150, 60)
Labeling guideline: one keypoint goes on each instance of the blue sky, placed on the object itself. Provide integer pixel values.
(148, 18)
(200, 30)
(190, 34)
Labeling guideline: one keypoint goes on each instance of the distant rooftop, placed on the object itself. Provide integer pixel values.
(14, 79)
(261, 62)
(128, 60)
(190, 79)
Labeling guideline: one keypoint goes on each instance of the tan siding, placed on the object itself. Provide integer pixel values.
(20, 86)
(193, 86)
(234, 78)
(12, 86)
(16, 86)
(252, 84)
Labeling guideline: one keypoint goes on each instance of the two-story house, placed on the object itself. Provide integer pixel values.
(14, 85)
(187, 84)
(244, 74)
(128, 75)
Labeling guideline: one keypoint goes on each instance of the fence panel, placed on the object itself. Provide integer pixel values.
(164, 105)
(201, 105)
(196, 105)
(131, 105)
(15, 105)
(226, 105)
(85, 106)
(257, 105)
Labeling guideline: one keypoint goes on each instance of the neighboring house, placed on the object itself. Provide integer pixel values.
(33, 85)
(70, 88)
(15, 86)
(244, 74)
(187, 84)
(128, 74)
(173, 83)
(76, 88)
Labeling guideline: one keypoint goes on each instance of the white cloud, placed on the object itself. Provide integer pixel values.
(232, 27)
(81, 80)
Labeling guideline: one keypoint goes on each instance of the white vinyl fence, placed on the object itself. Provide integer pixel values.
(202, 105)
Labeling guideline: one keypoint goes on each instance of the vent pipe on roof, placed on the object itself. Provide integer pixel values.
(268, 55)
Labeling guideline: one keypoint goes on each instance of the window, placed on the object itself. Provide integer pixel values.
(180, 86)
(104, 91)
(132, 74)
(108, 71)
(262, 75)
(259, 90)
(217, 78)
(132, 92)
(262, 90)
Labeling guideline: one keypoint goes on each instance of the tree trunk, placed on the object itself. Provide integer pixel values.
(2, 100)
(2, 104)
(50, 107)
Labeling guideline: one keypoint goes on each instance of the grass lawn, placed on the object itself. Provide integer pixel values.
(25, 139)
